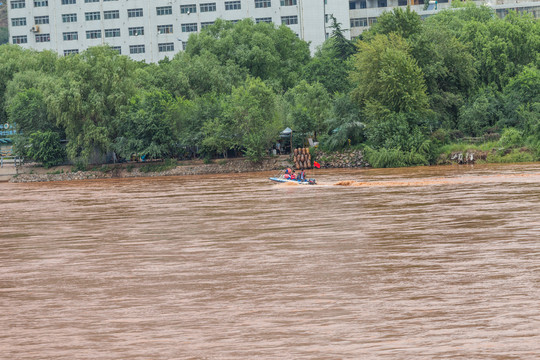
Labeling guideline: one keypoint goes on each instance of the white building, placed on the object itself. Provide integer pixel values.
(151, 30)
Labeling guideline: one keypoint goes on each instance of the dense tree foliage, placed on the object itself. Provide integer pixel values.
(401, 90)
(45, 147)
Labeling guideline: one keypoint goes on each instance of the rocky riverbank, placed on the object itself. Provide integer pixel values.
(64, 173)
(342, 159)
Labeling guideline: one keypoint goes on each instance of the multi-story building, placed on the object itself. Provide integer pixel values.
(151, 30)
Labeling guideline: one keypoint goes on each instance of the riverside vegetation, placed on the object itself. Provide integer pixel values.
(405, 92)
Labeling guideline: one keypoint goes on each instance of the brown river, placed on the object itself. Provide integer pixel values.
(417, 263)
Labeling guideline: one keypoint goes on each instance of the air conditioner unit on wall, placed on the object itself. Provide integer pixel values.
(35, 29)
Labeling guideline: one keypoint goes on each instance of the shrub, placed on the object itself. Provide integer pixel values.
(387, 158)
(80, 165)
(168, 164)
(514, 156)
(511, 138)
(45, 147)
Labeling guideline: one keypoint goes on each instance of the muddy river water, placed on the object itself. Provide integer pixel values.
(419, 263)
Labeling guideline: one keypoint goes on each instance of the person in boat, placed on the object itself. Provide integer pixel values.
(287, 173)
(293, 175)
(302, 175)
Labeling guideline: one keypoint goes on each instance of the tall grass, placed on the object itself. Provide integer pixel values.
(168, 164)
(387, 158)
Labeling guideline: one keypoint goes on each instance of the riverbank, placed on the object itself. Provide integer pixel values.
(35, 173)
(342, 159)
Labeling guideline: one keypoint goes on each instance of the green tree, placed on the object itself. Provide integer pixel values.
(385, 73)
(190, 76)
(344, 123)
(310, 108)
(147, 127)
(521, 95)
(29, 111)
(500, 47)
(250, 121)
(275, 55)
(343, 47)
(14, 60)
(481, 112)
(91, 89)
(405, 23)
(45, 147)
(327, 68)
(448, 68)
(189, 117)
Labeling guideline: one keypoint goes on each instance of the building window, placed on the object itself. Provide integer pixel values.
(116, 48)
(206, 24)
(357, 4)
(136, 49)
(109, 33)
(403, 2)
(111, 14)
(18, 4)
(135, 13)
(20, 39)
(93, 34)
(136, 31)
(91, 16)
(43, 38)
(209, 7)
(189, 27)
(69, 2)
(69, 18)
(41, 3)
(382, 3)
(40, 20)
(165, 29)
(166, 47)
(233, 5)
(71, 36)
(91, 1)
(188, 9)
(359, 22)
(265, 19)
(71, 52)
(263, 3)
(18, 22)
(289, 20)
(164, 10)
(371, 21)
(288, 2)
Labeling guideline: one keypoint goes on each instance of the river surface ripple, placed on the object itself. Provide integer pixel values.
(419, 263)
